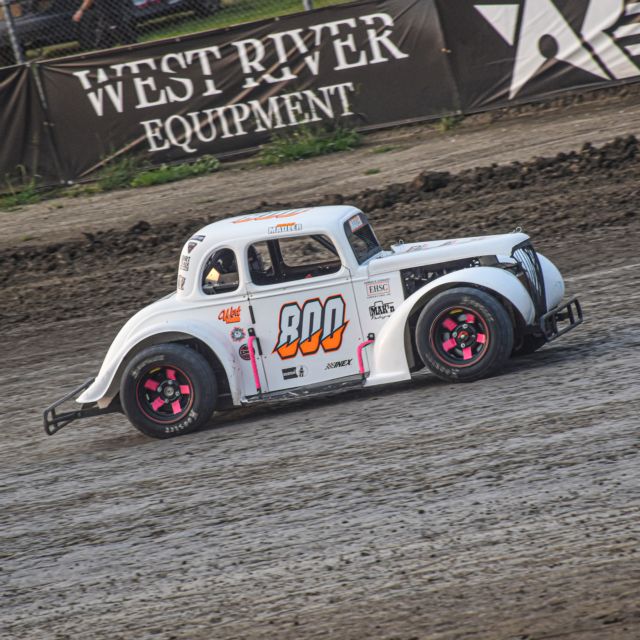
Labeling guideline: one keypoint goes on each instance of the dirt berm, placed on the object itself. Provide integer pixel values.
(504, 509)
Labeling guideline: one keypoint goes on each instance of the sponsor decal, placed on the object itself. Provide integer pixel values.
(230, 315)
(539, 32)
(380, 309)
(181, 282)
(284, 227)
(294, 372)
(193, 243)
(238, 334)
(243, 352)
(356, 222)
(378, 288)
(313, 326)
(184, 263)
(339, 363)
(271, 215)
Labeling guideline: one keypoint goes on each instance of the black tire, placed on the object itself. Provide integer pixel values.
(168, 390)
(529, 345)
(464, 334)
(204, 8)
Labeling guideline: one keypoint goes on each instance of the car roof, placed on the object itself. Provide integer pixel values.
(271, 224)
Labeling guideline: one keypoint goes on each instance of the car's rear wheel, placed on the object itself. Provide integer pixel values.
(464, 334)
(168, 390)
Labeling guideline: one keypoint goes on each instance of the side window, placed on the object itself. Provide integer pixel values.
(260, 264)
(289, 259)
(220, 272)
(361, 238)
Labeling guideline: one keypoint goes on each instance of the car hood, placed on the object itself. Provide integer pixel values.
(416, 254)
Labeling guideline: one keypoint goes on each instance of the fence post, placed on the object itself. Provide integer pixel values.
(11, 28)
(308, 4)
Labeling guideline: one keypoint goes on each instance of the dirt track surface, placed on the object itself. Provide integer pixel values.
(509, 508)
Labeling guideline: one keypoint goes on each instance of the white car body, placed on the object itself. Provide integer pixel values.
(355, 325)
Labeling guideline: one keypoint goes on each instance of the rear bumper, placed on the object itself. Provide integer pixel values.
(54, 421)
(561, 319)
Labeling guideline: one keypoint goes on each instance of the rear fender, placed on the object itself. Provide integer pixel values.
(390, 353)
(107, 383)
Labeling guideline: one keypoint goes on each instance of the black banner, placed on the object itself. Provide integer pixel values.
(506, 52)
(367, 64)
(25, 150)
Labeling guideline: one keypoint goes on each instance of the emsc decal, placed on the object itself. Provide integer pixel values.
(308, 328)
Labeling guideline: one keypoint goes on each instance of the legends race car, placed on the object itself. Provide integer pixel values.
(292, 303)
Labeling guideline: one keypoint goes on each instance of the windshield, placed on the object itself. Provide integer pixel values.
(361, 238)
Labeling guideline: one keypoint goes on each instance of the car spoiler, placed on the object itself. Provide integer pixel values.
(54, 421)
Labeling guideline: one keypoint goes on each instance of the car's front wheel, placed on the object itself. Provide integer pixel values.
(464, 334)
(168, 390)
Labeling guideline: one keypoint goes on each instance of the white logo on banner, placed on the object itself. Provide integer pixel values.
(296, 55)
(593, 49)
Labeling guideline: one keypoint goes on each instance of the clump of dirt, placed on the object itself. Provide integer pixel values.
(428, 186)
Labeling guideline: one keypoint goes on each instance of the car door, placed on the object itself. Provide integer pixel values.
(304, 312)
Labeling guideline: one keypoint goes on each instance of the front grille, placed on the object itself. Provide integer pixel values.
(530, 267)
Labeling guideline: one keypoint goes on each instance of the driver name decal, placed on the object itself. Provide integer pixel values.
(313, 326)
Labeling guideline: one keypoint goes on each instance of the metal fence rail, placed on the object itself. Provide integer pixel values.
(37, 29)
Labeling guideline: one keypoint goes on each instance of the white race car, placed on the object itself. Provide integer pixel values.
(292, 303)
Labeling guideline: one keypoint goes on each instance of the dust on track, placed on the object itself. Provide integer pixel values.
(508, 508)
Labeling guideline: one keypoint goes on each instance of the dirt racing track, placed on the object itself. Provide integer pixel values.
(507, 508)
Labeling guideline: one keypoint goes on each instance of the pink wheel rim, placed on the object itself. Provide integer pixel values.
(164, 394)
(459, 337)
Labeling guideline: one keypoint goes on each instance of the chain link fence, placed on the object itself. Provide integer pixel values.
(37, 29)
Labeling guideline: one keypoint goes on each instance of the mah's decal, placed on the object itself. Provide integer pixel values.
(314, 326)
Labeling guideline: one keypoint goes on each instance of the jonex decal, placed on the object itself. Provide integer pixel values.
(377, 288)
(313, 326)
(593, 47)
(230, 315)
(184, 263)
(339, 363)
(380, 309)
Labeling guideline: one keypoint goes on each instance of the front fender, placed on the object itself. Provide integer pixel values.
(105, 386)
(389, 353)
